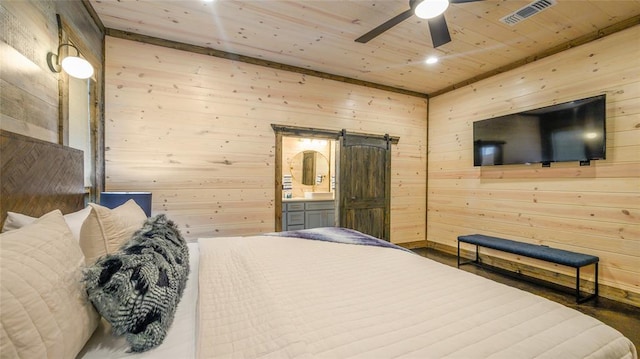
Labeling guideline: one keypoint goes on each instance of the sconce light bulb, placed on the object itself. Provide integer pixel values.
(77, 67)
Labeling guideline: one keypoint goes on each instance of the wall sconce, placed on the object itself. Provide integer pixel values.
(75, 66)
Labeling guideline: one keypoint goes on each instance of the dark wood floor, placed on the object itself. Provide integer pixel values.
(623, 317)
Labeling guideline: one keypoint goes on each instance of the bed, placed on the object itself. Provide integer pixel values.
(335, 293)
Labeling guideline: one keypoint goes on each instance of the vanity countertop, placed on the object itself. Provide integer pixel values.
(302, 199)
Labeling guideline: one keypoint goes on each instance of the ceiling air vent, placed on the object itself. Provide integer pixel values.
(527, 11)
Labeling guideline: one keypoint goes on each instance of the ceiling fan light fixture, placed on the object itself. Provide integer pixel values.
(428, 9)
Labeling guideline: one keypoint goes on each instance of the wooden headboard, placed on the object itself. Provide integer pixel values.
(37, 177)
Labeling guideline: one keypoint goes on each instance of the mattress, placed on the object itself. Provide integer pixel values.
(276, 297)
(180, 341)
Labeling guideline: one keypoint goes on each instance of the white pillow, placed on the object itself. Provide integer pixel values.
(44, 305)
(105, 230)
(74, 221)
(16, 220)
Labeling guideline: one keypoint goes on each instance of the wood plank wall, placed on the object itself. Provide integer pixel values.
(593, 210)
(195, 130)
(29, 91)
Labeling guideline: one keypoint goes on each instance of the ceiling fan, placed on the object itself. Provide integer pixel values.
(432, 10)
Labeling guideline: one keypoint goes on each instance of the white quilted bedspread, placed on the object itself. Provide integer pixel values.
(274, 297)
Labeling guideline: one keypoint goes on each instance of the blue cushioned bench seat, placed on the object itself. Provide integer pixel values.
(553, 255)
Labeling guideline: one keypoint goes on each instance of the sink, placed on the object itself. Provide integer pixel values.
(318, 195)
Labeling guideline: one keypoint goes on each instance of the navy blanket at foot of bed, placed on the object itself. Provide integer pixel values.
(338, 235)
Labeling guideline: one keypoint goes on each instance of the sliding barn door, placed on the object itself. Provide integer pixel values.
(364, 177)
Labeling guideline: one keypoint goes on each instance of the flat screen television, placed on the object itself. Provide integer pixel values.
(570, 131)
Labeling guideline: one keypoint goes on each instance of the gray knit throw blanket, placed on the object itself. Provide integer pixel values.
(138, 288)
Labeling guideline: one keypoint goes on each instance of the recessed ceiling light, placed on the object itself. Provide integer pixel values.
(431, 60)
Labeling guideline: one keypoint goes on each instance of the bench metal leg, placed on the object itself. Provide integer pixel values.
(596, 284)
(467, 262)
(578, 284)
(595, 292)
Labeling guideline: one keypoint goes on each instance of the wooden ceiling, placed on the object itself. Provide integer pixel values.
(319, 35)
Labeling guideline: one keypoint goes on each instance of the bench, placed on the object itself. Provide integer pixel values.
(553, 255)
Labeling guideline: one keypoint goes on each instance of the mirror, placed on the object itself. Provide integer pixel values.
(310, 168)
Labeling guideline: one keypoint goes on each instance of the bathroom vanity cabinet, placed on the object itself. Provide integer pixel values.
(305, 214)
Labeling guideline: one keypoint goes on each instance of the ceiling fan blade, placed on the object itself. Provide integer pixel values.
(386, 26)
(439, 31)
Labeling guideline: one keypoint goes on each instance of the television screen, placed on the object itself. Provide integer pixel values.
(570, 131)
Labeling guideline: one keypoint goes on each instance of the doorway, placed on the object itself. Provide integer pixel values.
(362, 178)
